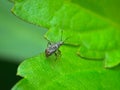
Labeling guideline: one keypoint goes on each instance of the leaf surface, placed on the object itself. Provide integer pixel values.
(89, 37)
(109, 10)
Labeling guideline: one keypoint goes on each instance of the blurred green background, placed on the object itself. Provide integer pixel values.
(18, 40)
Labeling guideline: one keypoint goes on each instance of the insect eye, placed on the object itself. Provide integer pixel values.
(47, 52)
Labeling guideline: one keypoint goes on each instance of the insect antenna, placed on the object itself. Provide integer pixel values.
(49, 42)
(61, 35)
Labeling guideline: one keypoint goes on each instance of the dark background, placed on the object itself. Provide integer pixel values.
(7, 74)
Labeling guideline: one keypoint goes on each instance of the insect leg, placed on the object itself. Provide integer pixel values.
(59, 52)
(56, 56)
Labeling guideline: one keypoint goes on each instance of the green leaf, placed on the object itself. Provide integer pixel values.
(92, 32)
(109, 10)
(67, 73)
(88, 36)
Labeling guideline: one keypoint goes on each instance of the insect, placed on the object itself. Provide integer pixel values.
(53, 48)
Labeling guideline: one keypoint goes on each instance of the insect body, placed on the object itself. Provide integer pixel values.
(53, 48)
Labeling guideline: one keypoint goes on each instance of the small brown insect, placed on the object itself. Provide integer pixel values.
(53, 48)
